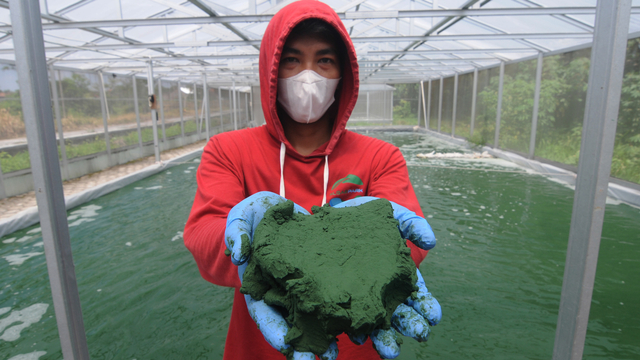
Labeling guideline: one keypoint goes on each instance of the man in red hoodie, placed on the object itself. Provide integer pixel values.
(305, 152)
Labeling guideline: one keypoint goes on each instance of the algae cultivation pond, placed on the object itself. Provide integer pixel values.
(497, 269)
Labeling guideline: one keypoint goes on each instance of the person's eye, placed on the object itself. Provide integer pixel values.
(326, 61)
(289, 59)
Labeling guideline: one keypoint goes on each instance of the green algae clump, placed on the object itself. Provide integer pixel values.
(339, 270)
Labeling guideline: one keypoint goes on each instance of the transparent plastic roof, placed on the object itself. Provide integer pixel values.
(396, 40)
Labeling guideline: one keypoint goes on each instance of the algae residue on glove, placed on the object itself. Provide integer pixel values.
(339, 270)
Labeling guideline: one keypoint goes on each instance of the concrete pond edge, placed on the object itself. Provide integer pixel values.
(30, 216)
(617, 192)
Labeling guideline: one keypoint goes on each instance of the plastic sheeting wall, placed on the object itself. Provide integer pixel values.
(560, 110)
(99, 131)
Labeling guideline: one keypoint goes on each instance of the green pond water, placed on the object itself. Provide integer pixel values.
(497, 269)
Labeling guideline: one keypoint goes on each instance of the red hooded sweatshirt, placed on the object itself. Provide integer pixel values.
(240, 163)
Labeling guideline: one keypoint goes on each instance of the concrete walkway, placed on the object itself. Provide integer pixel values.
(13, 205)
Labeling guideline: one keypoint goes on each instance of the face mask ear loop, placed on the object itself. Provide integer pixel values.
(283, 150)
(326, 179)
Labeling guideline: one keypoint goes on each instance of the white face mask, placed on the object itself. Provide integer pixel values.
(307, 95)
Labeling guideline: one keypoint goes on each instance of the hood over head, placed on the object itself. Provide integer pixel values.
(273, 41)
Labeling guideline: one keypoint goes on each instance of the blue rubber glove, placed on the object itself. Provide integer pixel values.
(414, 317)
(274, 327)
(241, 224)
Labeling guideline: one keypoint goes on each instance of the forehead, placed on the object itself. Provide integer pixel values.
(307, 41)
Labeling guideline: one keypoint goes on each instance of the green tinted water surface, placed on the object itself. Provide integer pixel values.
(497, 269)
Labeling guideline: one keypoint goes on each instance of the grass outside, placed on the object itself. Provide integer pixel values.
(20, 161)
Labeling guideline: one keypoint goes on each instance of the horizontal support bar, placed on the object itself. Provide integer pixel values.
(369, 39)
(159, 58)
(355, 15)
(449, 51)
(244, 56)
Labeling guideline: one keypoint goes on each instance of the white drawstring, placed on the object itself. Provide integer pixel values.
(283, 149)
(325, 179)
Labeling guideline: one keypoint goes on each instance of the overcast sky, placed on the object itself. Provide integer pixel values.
(8, 78)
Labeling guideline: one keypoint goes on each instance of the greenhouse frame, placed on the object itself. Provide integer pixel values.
(94, 64)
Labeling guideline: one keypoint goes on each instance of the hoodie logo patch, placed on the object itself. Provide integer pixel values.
(349, 179)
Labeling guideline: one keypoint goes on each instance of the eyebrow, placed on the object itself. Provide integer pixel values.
(327, 51)
(290, 50)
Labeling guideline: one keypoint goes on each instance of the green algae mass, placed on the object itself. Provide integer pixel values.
(339, 270)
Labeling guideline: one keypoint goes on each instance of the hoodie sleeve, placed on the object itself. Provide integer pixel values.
(391, 181)
(220, 187)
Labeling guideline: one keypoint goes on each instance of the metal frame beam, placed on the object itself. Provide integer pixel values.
(433, 29)
(440, 103)
(154, 114)
(220, 109)
(38, 117)
(473, 100)
(428, 112)
(161, 106)
(181, 108)
(56, 107)
(235, 113)
(136, 107)
(354, 15)
(536, 103)
(499, 107)
(105, 116)
(455, 105)
(202, 6)
(594, 166)
(205, 99)
(366, 39)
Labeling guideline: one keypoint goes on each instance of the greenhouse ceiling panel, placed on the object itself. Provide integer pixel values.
(395, 41)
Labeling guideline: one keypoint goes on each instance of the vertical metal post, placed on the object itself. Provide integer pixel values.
(473, 100)
(499, 107)
(154, 115)
(105, 116)
(220, 109)
(195, 103)
(384, 105)
(428, 112)
(181, 110)
(36, 106)
(3, 193)
(391, 108)
(418, 99)
(106, 102)
(56, 107)
(205, 99)
(536, 102)
(596, 150)
(161, 105)
(424, 105)
(235, 117)
(64, 110)
(136, 106)
(440, 104)
(246, 108)
(455, 105)
(368, 106)
(252, 117)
